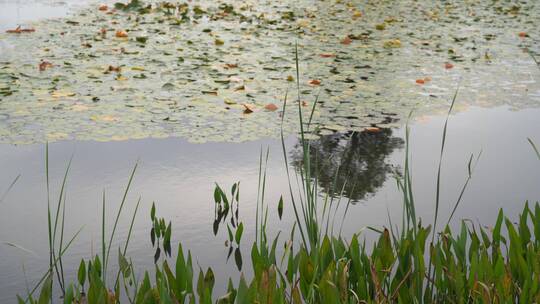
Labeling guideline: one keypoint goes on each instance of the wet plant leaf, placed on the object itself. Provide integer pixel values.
(280, 207)
(238, 258)
(238, 234)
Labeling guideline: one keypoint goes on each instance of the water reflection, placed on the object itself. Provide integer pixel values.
(354, 162)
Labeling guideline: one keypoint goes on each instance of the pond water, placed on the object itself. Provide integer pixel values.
(183, 148)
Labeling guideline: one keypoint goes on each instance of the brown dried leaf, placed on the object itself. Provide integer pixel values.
(271, 107)
(121, 34)
(346, 41)
(43, 65)
(248, 108)
(373, 129)
(327, 55)
(114, 69)
(20, 30)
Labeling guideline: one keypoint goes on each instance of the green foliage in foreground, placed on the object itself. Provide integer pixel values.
(498, 265)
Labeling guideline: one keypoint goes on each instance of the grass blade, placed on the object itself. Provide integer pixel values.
(533, 146)
(9, 188)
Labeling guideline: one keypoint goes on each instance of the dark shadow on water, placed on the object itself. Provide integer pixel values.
(356, 161)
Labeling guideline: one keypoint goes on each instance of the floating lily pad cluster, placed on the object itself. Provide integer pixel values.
(208, 70)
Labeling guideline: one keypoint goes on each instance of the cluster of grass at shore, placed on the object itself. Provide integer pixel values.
(416, 263)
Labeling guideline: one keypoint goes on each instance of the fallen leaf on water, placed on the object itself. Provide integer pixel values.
(248, 108)
(290, 78)
(60, 94)
(113, 69)
(380, 27)
(346, 40)
(121, 34)
(420, 81)
(19, 30)
(271, 107)
(141, 39)
(120, 78)
(79, 108)
(334, 127)
(103, 7)
(303, 23)
(235, 79)
(357, 14)
(229, 101)
(327, 55)
(304, 103)
(137, 68)
(315, 82)
(240, 88)
(219, 42)
(107, 118)
(392, 43)
(448, 66)
(43, 65)
(57, 136)
(373, 130)
(15, 31)
(231, 65)
(523, 34)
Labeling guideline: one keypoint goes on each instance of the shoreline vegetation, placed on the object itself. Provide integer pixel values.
(412, 262)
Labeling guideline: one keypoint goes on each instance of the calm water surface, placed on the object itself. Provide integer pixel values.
(179, 177)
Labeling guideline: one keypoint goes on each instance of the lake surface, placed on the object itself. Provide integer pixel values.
(179, 175)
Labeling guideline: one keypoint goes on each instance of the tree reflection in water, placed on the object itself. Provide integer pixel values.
(359, 159)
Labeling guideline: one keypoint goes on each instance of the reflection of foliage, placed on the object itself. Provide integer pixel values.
(223, 208)
(356, 162)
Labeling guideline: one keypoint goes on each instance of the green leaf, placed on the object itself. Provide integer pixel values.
(141, 39)
(238, 258)
(280, 207)
(69, 296)
(167, 240)
(81, 275)
(123, 264)
(46, 291)
(230, 233)
(20, 300)
(157, 254)
(239, 231)
(233, 189)
(217, 194)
